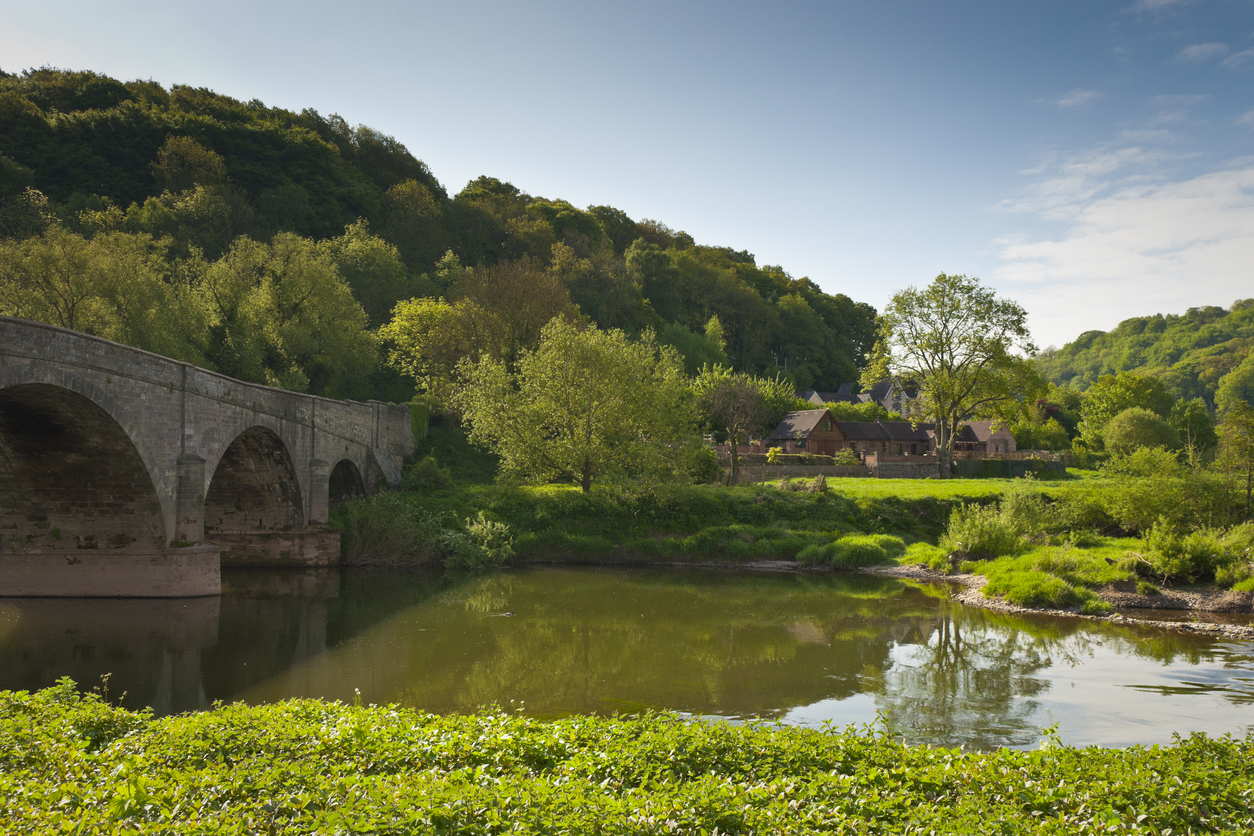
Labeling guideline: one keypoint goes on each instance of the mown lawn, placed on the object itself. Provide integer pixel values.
(74, 764)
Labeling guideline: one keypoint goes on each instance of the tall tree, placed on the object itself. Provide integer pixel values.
(1236, 447)
(586, 404)
(958, 339)
(740, 405)
(1112, 394)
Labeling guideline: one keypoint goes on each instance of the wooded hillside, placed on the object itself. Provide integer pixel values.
(184, 192)
(1190, 353)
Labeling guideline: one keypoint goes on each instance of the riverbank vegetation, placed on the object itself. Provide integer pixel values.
(72, 762)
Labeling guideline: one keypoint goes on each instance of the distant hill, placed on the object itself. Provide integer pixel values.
(196, 170)
(1189, 353)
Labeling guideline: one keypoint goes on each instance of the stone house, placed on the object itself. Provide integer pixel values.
(988, 437)
(814, 431)
(807, 431)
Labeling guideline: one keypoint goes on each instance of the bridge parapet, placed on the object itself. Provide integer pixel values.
(208, 458)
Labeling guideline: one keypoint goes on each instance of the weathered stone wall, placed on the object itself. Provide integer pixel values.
(145, 441)
(906, 470)
(795, 471)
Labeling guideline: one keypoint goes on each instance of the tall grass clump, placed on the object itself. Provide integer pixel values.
(980, 533)
(386, 530)
(855, 550)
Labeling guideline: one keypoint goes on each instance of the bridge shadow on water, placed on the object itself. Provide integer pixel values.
(176, 655)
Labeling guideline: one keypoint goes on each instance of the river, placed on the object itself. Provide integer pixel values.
(806, 649)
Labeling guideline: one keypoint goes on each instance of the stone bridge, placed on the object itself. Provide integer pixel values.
(125, 473)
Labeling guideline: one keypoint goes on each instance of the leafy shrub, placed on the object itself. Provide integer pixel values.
(846, 458)
(426, 474)
(384, 530)
(1138, 428)
(1191, 500)
(482, 544)
(772, 455)
(980, 532)
(702, 466)
(1023, 509)
(1144, 461)
(819, 485)
(1173, 557)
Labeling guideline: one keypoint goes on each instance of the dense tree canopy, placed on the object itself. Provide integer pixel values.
(185, 175)
(1189, 353)
(586, 404)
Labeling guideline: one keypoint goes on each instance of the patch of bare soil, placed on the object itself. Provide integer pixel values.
(968, 591)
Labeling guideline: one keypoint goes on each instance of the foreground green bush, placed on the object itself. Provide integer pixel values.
(73, 764)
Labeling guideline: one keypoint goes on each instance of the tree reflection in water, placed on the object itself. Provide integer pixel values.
(799, 647)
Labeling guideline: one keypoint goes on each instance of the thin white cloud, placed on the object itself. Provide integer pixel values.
(1136, 250)
(1067, 186)
(1199, 53)
(1076, 98)
(1246, 118)
(1239, 59)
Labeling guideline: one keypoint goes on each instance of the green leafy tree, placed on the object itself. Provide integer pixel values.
(1135, 428)
(1195, 426)
(740, 405)
(115, 285)
(1237, 386)
(373, 269)
(864, 412)
(415, 223)
(425, 340)
(183, 163)
(1113, 394)
(957, 338)
(1236, 447)
(584, 405)
(281, 314)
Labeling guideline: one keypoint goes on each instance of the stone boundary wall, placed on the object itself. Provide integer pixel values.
(793, 471)
(907, 470)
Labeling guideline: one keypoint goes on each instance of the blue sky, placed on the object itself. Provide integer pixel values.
(1092, 160)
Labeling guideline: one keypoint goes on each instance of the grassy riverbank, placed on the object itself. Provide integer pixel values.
(663, 522)
(71, 763)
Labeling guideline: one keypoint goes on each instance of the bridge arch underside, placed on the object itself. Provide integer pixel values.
(345, 483)
(254, 509)
(254, 488)
(70, 477)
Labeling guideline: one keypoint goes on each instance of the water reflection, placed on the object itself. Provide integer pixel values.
(797, 648)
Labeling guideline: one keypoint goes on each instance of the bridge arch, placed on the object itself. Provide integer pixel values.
(254, 487)
(71, 473)
(345, 483)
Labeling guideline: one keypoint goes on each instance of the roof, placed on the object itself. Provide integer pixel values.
(982, 430)
(797, 423)
(880, 390)
(845, 389)
(906, 431)
(862, 430)
(837, 397)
